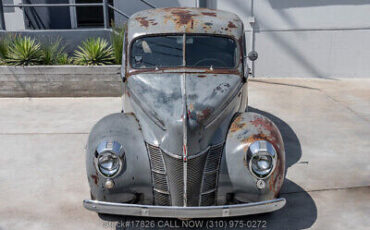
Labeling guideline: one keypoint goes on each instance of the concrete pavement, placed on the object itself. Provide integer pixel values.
(325, 126)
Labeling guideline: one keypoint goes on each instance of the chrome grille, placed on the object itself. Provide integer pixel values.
(168, 177)
(208, 199)
(161, 198)
(209, 182)
(210, 175)
(160, 182)
(175, 175)
(160, 185)
(194, 181)
(156, 158)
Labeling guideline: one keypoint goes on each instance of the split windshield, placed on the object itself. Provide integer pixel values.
(167, 51)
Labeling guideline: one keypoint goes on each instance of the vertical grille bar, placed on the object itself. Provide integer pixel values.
(160, 185)
(175, 175)
(168, 177)
(210, 175)
(195, 175)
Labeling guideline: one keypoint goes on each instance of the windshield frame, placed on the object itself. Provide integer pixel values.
(237, 55)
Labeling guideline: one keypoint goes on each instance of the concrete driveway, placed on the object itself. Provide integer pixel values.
(325, 126)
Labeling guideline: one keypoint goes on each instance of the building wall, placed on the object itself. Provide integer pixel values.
(47, 17)
(13, 16)
(300, 38)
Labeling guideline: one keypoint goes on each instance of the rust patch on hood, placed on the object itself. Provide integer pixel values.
(200, 115)
(204, 114)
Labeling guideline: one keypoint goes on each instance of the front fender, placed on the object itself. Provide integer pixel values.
(245, 129)
(134, 180)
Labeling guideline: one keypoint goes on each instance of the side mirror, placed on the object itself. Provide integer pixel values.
(246, 68)
(253, 55)
(123, 64)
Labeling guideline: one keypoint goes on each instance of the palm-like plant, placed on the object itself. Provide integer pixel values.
(94, 51)
(53, 53)
(23, 51)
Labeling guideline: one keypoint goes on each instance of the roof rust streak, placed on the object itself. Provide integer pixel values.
(212, 14)
(146, 22)
(182, 17)
(231, 25)
(143, 21)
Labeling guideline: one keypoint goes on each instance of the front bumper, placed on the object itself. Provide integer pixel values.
(184, 212)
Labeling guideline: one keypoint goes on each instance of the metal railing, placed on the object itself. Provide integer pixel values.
(103, 4)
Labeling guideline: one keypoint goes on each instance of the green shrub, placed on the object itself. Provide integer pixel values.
(117, 42)
(64, 59)
(94, 51)
(23, 51)
(53, 53)
(4, 48)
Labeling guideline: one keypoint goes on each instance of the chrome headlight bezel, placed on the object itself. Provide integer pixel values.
(113, 149)
(265, 150)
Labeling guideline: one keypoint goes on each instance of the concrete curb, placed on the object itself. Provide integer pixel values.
(60, 81)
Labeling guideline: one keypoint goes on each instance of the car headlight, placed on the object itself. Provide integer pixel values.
(261, 157)
(108, 164)
(109, 158)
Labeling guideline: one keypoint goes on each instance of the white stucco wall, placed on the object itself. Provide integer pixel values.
(300, 38)
(13, 17)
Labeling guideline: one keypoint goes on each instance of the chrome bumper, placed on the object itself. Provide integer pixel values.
(184, 212)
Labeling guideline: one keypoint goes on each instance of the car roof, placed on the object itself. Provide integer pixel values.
(184, 20)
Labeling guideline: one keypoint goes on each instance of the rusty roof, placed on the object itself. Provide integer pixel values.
(184, 20)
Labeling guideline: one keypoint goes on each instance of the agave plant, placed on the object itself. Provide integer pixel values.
(94, 51)
(53, 53)
(117, 42)
(23, 51)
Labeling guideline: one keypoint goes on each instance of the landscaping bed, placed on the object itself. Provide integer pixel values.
(34, 67)
(60, 81)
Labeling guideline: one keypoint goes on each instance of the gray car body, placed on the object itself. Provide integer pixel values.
(184, 113)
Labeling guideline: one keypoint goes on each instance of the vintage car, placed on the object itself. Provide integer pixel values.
(184, 145)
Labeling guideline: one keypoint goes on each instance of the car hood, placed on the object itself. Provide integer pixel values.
(177, 109)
